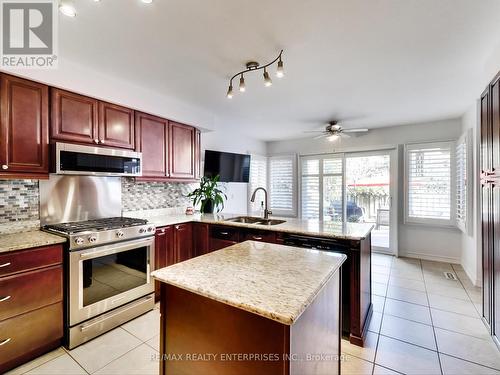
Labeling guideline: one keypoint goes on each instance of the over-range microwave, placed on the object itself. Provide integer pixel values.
(96, 161)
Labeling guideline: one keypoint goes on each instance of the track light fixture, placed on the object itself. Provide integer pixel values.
(252, 66)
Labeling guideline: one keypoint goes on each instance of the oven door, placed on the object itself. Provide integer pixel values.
(105, 277)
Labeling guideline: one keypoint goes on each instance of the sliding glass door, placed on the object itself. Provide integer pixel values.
(352, 188)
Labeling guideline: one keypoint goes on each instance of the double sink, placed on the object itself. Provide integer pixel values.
(255, 220)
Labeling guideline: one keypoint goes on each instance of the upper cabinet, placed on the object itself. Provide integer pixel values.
(152, 141)
(116, 126)
(169, 150)
(80, 119)
(24, 128)
(182, 147)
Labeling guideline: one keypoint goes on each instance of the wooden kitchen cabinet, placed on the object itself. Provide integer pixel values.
(183, 242)
(152, 141)
(164, 252)
(74, 118)
(116, 126)
(201, 239)
(24, 128)
(31, 318)
(182, 146)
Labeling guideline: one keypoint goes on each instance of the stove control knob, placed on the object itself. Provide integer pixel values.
(119, 233)
(79, 241)
(151, 229)
(93, 239)
(142, 230)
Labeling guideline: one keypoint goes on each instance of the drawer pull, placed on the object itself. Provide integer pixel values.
(257, 238)
(3, 299)
(3, 342)
(5, 265)
(224, 233)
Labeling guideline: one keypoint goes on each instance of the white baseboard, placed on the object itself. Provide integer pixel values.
(472, 276)
(424, 256)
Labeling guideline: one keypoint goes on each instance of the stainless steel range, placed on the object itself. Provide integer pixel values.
(108, 260)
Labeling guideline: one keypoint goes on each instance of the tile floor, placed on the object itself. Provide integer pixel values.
(422, 324)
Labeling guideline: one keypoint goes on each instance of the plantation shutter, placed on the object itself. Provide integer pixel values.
(258, 178)
(282, 180)
(429, 182)
(310, 188)
(461, 182)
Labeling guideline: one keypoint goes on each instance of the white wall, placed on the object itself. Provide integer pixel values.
(426, 242)
(237, 193)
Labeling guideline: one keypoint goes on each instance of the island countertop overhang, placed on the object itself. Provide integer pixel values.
(274, 281)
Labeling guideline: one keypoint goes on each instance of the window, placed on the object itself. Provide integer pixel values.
(462, 181)
(258, 178)
(282, 185)
(321, 187)
(428, 183)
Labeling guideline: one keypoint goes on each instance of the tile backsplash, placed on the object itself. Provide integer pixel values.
(138, 196)
(19, 200)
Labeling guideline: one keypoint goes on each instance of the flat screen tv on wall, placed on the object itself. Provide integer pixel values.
(230, 167)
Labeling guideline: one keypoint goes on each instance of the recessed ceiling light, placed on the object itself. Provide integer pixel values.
(67, 8)
(147, 1)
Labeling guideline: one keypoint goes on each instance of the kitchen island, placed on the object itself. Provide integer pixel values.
(252, 308)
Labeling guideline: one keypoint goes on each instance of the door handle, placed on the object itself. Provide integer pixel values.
(3, 299)
(5, 265)
(257, 238)
(3, 342)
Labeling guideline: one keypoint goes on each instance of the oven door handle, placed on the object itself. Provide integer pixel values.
(116, 248)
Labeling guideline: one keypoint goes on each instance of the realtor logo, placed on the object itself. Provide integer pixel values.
(29, 33)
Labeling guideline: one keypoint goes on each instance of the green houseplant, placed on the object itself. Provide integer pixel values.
(209, 195)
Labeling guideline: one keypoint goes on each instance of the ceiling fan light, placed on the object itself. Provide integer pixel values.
(229, 94)
(147, 1)
(280, 72)
(242, 84)
(67, 8)
(267, 80)
(333, 137)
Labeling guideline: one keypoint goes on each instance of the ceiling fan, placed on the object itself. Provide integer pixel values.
(334, 131)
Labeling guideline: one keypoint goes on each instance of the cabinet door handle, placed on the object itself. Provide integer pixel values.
(3, 299)
(5, 166)
(5, 265)
(177, 227)
(224, 233)
(3, 342)
(101, 141)
(96, 141)
(257, 238)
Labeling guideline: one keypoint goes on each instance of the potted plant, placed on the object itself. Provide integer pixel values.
(209, 195)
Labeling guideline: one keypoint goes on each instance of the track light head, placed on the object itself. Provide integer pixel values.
(230, 92)
(242, 84)
(280, 72)
(267, 80)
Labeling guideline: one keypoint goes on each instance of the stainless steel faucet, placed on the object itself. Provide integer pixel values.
(266, 211)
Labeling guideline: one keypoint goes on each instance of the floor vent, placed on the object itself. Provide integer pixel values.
(450, 276)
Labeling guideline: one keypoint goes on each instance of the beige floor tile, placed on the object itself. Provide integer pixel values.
(379, 370)
(459, 323)
(406, 330)
(455, 366)
(145, 326)
(441, 280)
(458, 293)
(407, 283)
(407, 295)
(441, 266)
(405, 260)
(62, 365)
(406, 358)
(104, 349)
(407, 274)
(378, 303)
(36, 362)
(142, 360)
(452, 304)
(476, 297)
(154, 343)
(356, 366)
(367, 352)
(483, 352)
(381, 269)
(382, 260)
(379, 289)
(380, 278)
(406, 310)
(375, 322)
(407, 267)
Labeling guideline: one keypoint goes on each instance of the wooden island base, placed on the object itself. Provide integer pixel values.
(200, 335)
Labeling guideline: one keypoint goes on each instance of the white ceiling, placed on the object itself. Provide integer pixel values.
(374, 62)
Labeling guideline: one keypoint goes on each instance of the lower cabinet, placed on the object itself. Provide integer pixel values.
(31, 307)
(201, 238)
(164, 252)
(183, 242)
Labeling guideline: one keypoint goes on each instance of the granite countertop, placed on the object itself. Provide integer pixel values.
(275, 281)
(350, 231)
(26, 240)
